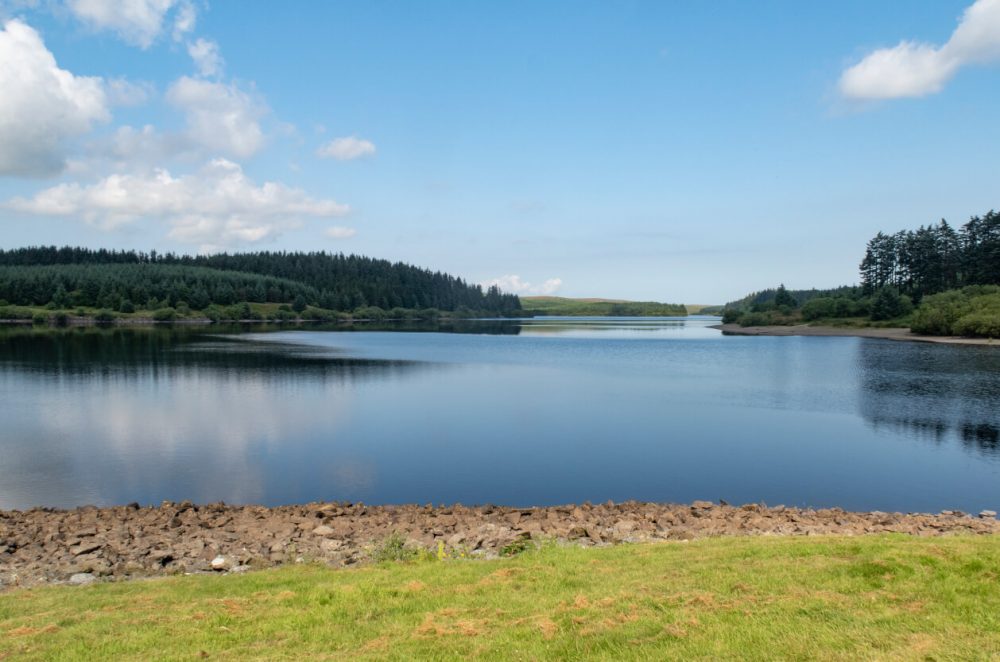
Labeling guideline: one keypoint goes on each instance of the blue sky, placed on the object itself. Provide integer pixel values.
(642, 150)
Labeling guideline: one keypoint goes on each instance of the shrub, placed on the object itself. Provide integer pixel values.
(40, 319)
(167, 314)
(982, 325)
(393, 548)
(126, 306)
(104, 316)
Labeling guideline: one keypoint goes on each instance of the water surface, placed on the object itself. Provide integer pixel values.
(528, 413)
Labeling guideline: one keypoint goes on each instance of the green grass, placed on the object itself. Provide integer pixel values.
(892, 598)
(600, 307)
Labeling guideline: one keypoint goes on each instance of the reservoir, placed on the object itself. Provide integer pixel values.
(520, 412)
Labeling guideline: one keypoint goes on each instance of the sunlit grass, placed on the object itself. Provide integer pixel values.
(753, 598)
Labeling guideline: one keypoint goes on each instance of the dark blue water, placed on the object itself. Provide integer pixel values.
(540, 412)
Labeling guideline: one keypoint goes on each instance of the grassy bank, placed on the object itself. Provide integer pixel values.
(563, 306)
(887, 597)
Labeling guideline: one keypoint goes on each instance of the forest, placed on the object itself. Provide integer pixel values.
(935, 279)
(123, 281)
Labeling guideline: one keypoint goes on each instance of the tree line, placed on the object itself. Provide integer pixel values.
(934, 258)
(105, 278)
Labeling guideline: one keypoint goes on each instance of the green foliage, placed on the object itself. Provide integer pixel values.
(167, 314)
(515, 547)
(104, 316)
(934, 258)
(393, 548)
(889, 304)
(972, 311)
(328, 281)
(782, 298)
(40, 319)
(835, 307)
(126, 306)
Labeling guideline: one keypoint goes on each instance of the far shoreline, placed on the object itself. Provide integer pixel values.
(893, 333)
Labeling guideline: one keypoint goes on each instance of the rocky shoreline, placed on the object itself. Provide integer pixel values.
(44, 545)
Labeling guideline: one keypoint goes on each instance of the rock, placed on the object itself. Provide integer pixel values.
(221, 563)
(988, 514)
(701, 505)
(85, 548)
(323, 530)
(82, 578)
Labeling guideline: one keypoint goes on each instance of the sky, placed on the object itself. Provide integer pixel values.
(682, 152)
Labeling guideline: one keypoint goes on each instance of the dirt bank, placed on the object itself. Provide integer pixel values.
(861, 332)
(86, 544)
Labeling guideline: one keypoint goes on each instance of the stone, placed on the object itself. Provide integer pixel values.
(988, 514)
(323, 530)
(701, 505)
(221, 563)
(82, 578)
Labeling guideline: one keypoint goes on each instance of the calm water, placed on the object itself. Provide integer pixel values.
(540, 412)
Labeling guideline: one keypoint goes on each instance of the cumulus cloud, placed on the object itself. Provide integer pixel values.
(912, 69)
(217, 206)
(222, 118)
(512, 283)
(340, 232)
(41, 105)
(346, 149)
(206, 56)
(137, 22)
(122, 92)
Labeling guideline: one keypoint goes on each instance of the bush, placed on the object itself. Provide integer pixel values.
(182, 309)
(982, 325)
(104, 316)
(167, 314)
(889, 304)
(61, 319)
(370, 313)
(126, 306)
(393, 548)
(40, 319)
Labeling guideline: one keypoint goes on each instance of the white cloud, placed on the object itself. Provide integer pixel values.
(512, 283)
(206, 56)
(217, 206)
(122, 92)
(346, 149)
(138, 22)
(912, 69)
(222, 118)
(340, 232)
(184, 20)
(41, 105)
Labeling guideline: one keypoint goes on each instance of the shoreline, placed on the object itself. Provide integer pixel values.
(86, 544)
(891, 333)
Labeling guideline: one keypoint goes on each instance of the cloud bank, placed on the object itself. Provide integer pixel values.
(912, 69)
(218, 206)
(41, 105)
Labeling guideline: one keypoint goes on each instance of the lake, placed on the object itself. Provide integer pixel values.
(533, 412)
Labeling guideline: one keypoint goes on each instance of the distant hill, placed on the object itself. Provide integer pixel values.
(594, 307)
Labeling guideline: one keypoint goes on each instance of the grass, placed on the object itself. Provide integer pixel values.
(548, 305)
(891, 598)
